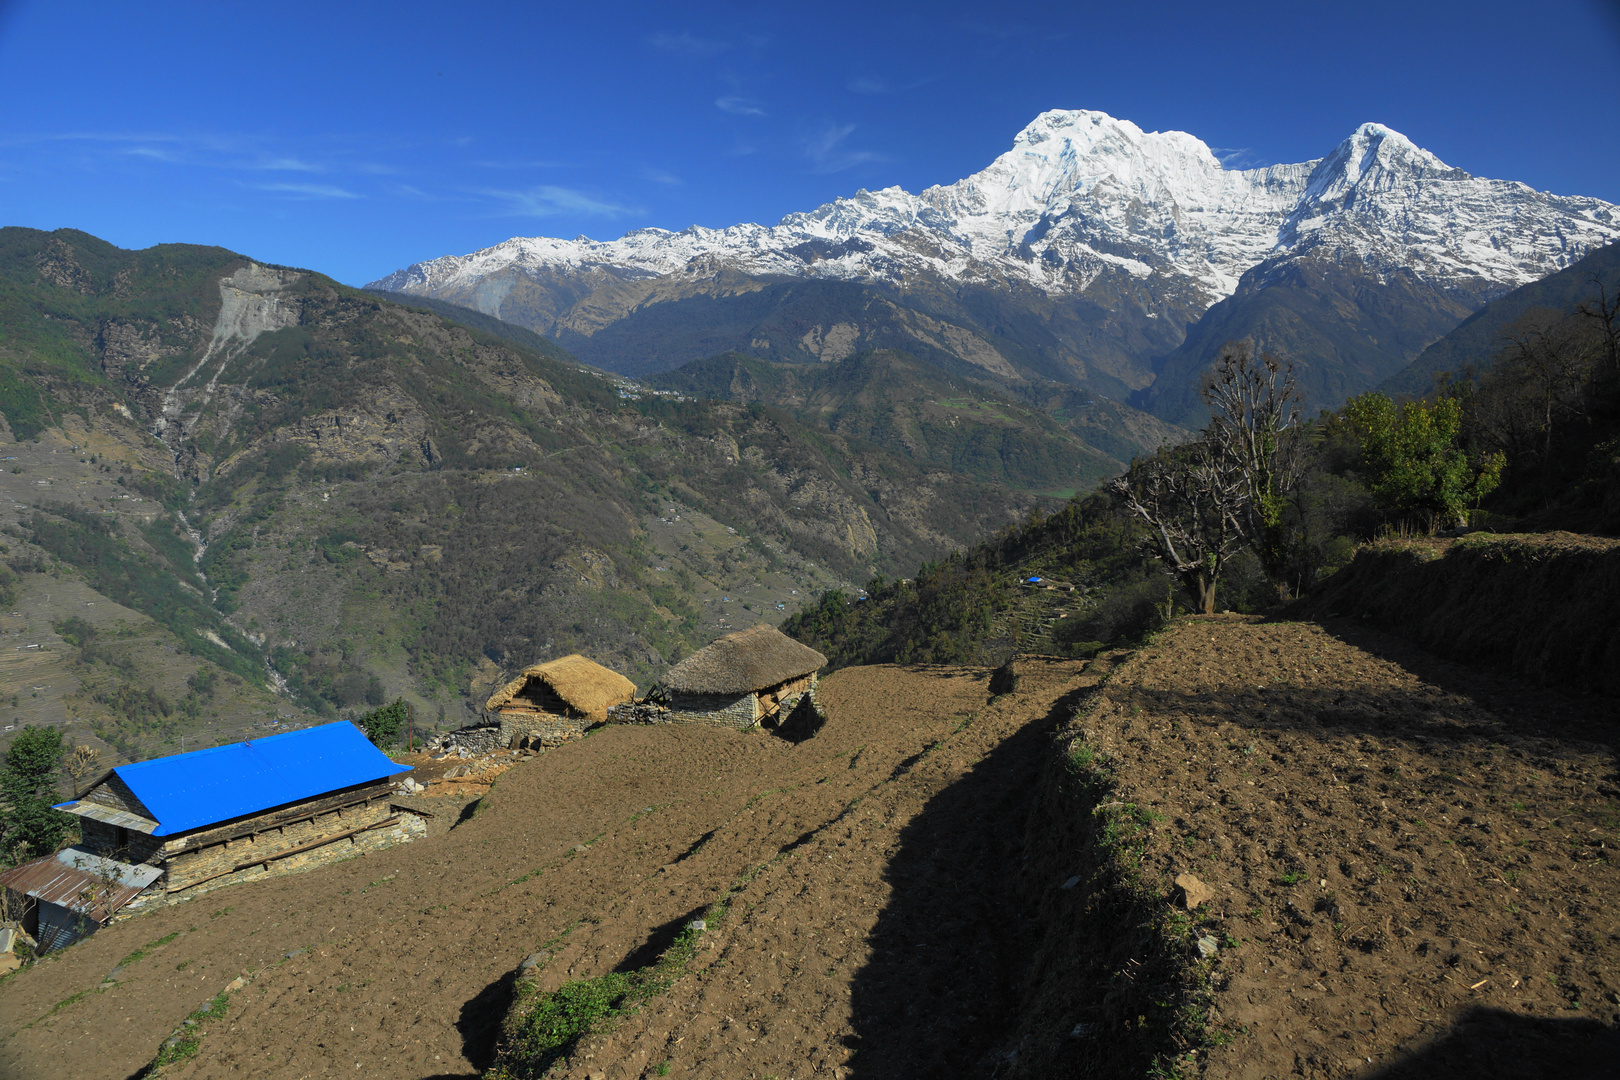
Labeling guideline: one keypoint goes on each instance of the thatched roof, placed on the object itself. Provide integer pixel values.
(741, 662)
(584, 684)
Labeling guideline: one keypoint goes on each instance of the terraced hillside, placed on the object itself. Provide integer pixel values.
(1398, 869)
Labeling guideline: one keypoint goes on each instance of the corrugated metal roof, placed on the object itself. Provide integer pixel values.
(111, 816)
(81, 881)
(188, 791)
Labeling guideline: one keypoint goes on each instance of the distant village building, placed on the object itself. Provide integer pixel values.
(545, 706)
(157, 830)
(551, 702)
(741, 679)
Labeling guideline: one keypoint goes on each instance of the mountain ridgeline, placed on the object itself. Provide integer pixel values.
(354, 498)
(1091, 256)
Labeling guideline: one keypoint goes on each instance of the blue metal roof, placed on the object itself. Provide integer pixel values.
(188, 791)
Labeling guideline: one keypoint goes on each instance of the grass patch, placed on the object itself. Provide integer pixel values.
(187, 1039)
(142, 952)
(552, 1025)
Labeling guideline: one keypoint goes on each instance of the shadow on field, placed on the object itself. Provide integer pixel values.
(1530, 709)
(658, 942)
(941, 990)
(1493, 1044)
(480, 1021)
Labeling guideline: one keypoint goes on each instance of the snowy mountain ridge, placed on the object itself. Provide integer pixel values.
(1082, 196)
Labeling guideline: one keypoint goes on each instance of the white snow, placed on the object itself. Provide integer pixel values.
(1082, 194)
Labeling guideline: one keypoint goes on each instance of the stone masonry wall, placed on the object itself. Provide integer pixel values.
(409, 827)
(740, 713)
(187, 868)
(545, 730)
(137, 847)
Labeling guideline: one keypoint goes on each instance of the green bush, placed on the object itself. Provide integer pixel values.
(27, 783)
(383, 725)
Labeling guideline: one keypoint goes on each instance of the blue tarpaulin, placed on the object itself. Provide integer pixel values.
(187, 791)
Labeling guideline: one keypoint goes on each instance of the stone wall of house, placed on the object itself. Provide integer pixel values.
(639, 712)
(190, 865)
(740, 713)
(130, 847)
(544, 730)
(408, 827)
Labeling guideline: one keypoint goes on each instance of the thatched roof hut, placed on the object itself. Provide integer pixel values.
(570, 686)
(743, 662)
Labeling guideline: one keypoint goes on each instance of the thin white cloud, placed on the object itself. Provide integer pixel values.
(548, 200)
(872, 84)
(1235, 157)
(738, 106)
(659, 176)
(308, 191)
(687, 44)
(283, 164)
(827, 151)
(407, 191)
(155, 154)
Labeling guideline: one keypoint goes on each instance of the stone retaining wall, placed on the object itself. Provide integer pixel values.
(188, 868)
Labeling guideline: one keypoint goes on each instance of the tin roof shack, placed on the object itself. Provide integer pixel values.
(741, 679)
(66, 896)
(267, 806)
(552, 702)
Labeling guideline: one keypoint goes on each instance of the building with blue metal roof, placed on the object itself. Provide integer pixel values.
(227, 813)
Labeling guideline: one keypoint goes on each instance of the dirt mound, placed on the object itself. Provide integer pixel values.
(1539, 604)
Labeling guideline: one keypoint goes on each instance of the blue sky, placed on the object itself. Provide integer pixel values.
(356, 138)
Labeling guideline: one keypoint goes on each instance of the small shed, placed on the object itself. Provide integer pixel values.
(68, 895)
(212, 817)
(557, 700)
(742, 678)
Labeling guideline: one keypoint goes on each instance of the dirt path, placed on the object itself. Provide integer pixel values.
(400, 963)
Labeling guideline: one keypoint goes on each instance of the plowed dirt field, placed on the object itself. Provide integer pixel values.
(1412, 865)
(400, 963)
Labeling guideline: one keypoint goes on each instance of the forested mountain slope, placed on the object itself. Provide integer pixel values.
(376, 500)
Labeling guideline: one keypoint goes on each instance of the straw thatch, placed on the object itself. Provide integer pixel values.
(743, 662)
(574, 682)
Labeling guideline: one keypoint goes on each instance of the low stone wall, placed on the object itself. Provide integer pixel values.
(640, 712)
(740, 713)
(510, 732)
(537, 732)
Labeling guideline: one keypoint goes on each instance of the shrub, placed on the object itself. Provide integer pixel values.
(382, 726)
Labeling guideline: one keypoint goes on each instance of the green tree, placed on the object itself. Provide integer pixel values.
(382, 726)
(1416, 461)
(28, 825)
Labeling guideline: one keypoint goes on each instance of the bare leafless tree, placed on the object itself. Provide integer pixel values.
(81, 765)
(1204, 501)
(1191, 498)
(1603, 315)
(1555, 353)
(1254, 422)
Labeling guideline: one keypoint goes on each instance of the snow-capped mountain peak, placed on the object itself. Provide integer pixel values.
(1081, 195)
